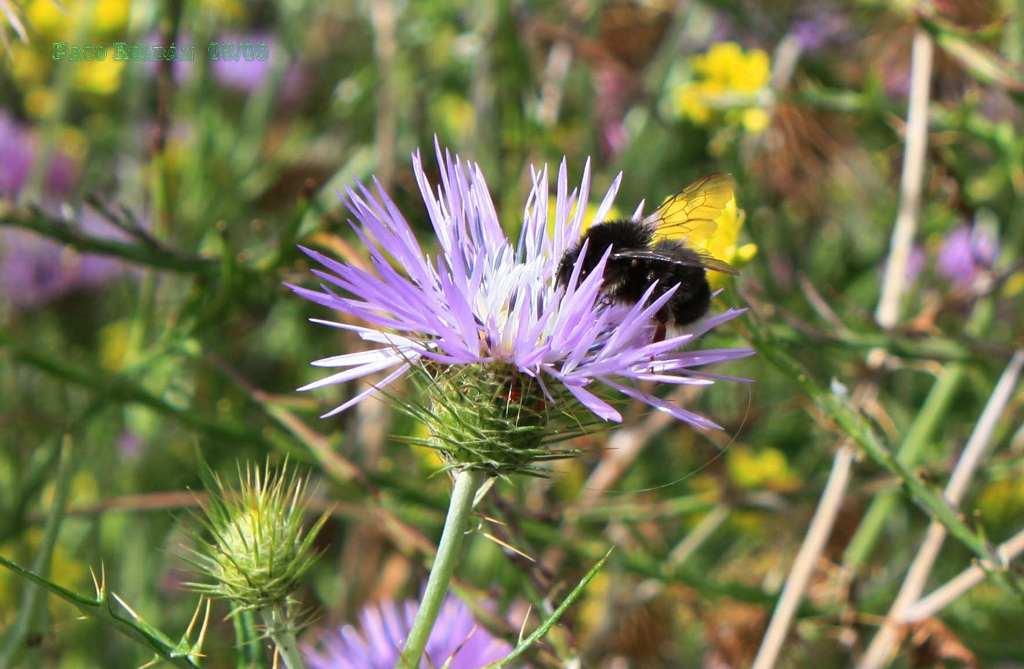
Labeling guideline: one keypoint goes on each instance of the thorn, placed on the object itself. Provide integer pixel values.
(192, 623)
(152, 663)
(96, 584)
(522, 628)
(508, 546)
(125, 605)
(202, 631)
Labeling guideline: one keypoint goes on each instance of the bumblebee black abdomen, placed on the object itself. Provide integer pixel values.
(636, 263)
(693, 297)
(619, 235)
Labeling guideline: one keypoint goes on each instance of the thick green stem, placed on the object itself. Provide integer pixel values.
(467, 482)
(281, 630)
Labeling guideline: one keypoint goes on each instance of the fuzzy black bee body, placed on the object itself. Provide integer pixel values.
(637, 261)
(654, 249)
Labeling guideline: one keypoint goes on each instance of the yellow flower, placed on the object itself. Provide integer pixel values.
(1001, 502)
(725, 69)
(110, 15)
(764, 468)
(101, 77)
(752, 72)
(755, 120)
(690, 101)
(721, 60)
(47, 19)
(40, 102)
(73, 143)
(456, 113)
(1014, 285)
(27, 66)
(225, 9)
(118, 345)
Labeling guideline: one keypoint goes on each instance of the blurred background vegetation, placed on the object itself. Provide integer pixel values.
(149, 214)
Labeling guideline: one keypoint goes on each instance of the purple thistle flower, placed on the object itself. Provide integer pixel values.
(481, 301)
(456, 642)
(965, 252)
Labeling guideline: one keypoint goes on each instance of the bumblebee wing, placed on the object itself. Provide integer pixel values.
(692, 211)
(699, 259)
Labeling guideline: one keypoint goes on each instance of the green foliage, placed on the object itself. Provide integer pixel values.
(202, 191)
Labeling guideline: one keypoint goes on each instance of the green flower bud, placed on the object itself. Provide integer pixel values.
(493, 418)
(258, 549)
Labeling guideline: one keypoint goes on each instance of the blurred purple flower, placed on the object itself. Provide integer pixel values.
(817, 32)
(964, 252)
(483, 301)
(130, 445)
(821, 27)
(615, 87)
(16, 149)
(241, 73)
(915, 263)
(456, 642)
(18, 156)
(35, 270)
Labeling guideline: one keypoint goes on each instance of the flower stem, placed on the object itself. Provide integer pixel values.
(281, 631)
(467, 481)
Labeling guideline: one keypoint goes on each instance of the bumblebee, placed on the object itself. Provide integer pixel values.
(655, 249)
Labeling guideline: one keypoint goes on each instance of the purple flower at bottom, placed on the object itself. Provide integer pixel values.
(457, 640)
(964, 252)
(483, 301)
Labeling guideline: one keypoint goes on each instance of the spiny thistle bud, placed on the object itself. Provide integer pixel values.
(493, 418)
(258, 549)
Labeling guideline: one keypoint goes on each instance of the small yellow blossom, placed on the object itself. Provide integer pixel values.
(229, 10)
(455, 113)
(725, 69)
(40, 102)
(117, 345)
(1001, 502)
(110, 15)
(1014, 285)
(690, 103)
(763, 468)
(48, 20)
(26, 65)
(73, 143)
(99, 77)
(755, 120)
